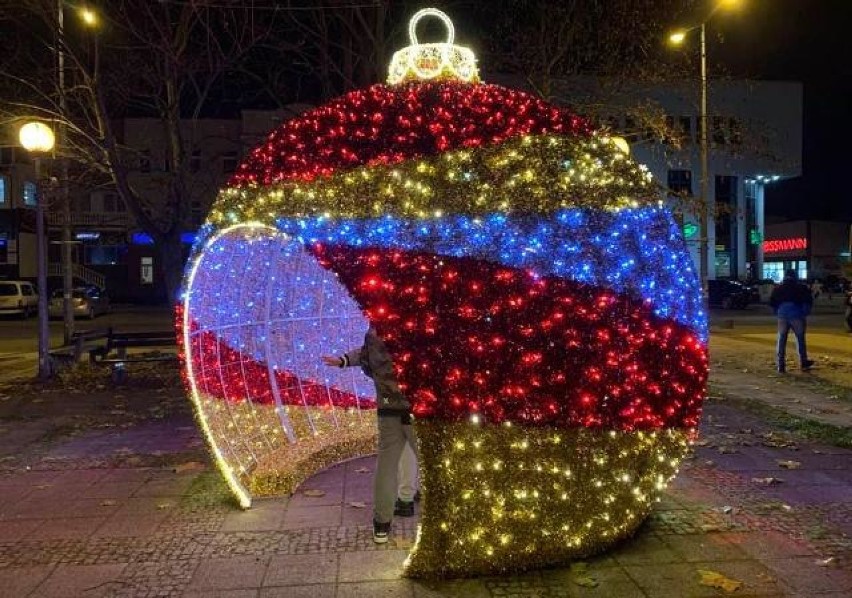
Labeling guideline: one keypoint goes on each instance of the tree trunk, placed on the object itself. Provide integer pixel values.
(170, 250)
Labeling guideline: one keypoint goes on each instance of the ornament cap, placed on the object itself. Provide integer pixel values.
(425, 62)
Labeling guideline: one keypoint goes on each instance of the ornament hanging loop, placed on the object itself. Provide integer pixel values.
(430, 12)
(431, 61)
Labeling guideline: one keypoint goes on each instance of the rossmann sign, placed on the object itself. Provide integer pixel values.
(784, 245)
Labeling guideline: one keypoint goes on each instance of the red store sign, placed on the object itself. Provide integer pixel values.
(779, 245)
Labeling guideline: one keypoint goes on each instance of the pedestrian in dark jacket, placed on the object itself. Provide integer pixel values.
(849, 310)
(395, 429)
(791, 302)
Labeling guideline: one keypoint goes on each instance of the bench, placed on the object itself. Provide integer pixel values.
(81, 341)
(114, 352)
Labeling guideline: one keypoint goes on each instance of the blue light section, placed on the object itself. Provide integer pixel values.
(640, 251)
(266, 297)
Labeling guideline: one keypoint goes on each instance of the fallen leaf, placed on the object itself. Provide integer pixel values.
(767, 481)
(716, 580)
(403, 543)
(314, 492)
(585, 581)
(788, 464)
(189, 466)
(713, 527)
(362, 470)
(358, 504)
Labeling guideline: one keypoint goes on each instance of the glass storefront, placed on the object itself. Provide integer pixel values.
(775, 270)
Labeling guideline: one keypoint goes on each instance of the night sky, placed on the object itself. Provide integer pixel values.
(807, 41)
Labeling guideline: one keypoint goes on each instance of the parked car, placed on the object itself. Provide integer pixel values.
(88, 303)
(18, 297)
(833, 284)
(728, 294)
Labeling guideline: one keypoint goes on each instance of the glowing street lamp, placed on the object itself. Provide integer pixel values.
(88, 16)
(38, 139)
(677, 37)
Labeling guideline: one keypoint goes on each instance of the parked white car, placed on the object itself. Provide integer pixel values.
(18, 297)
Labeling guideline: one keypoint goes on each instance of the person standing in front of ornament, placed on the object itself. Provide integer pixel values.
(791, 302)
(396, 434)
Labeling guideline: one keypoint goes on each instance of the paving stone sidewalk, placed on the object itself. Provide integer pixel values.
(86, 517)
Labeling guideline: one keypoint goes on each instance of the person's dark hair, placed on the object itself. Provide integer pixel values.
(791, 275)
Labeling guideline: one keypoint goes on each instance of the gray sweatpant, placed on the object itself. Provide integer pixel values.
(393, 436)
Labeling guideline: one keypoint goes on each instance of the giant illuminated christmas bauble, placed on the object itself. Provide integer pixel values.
(538, 301)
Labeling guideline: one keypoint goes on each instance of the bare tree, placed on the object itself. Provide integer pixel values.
(549, 40)
(162, 60)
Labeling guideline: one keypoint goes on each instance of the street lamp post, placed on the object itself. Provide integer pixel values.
(89, 19)
(67, 274)
(677, 38)
(38, 139)
(704, 204)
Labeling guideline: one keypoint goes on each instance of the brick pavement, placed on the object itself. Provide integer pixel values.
(91, 516)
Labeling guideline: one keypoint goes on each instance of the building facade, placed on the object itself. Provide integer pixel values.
(18, 197)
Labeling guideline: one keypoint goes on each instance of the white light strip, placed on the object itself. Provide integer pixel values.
(242, 494)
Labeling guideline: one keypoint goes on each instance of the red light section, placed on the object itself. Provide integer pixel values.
(472, 337)
(225, 373)
(385, 125)
(779, 245)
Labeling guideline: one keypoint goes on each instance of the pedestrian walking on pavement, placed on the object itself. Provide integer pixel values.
(791, 301)
(395, 432)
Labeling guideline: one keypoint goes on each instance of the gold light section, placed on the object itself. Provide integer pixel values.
(509, 498)
(537, 174)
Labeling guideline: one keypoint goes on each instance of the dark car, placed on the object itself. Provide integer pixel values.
(728, 294)
(833, 284)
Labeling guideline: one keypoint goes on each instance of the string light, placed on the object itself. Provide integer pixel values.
(422, 62)
(538, 301)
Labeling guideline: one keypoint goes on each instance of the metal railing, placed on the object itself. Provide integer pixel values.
(80, 272)
(118, 219)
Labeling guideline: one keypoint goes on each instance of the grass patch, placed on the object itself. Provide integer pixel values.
(801, 426)
(208, 489)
